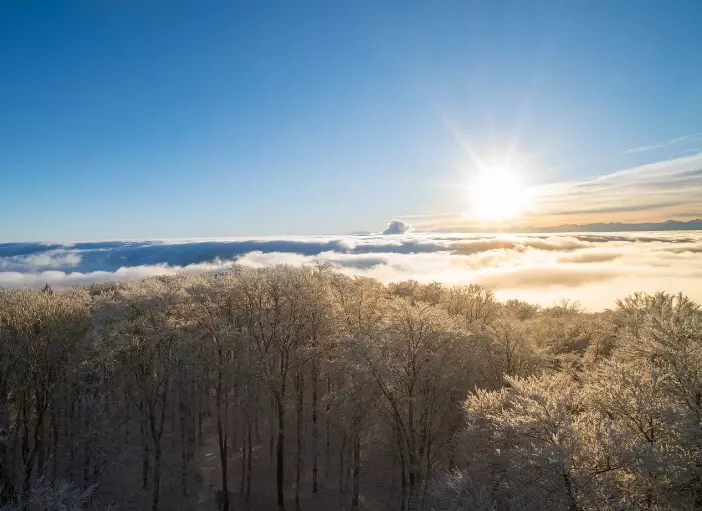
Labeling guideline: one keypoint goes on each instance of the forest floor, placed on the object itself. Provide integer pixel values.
(207, 463)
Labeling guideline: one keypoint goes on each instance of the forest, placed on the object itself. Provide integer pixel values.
(291, 388)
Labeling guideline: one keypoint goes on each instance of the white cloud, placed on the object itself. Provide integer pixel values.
(397, 227)
(54, 258)
(62, 280)
(593, 268)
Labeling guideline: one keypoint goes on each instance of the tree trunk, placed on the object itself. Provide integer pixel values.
(145, 457)
(403, 471)
(30, 456)
(7, 488)
(204, 390)
(39, 435)
(342, 464)
(222, 439)
(327, 427)
(427, 468)
(244, 452)
(356, 467)
(273, 432)
(184, 449)
(300, 388)
(157, 427)
(280, 452)
(200, 438)
(257, 419)
(157, 476)
(249, 452)
(54, 428)
(412, 504)
(28, 465)
(315, 434)
(347, 468)
(412, 461)
(87, 454)
(72, 420)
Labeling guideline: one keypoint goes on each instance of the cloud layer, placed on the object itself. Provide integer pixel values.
(593, 268)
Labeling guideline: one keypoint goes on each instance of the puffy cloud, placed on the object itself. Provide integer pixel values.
(54, 258)
(49, 259)
(593, 268)
(397, 227)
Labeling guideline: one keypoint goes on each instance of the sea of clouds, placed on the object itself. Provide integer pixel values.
(594, 269)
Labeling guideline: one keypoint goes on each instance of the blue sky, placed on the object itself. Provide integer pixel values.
(156, 118)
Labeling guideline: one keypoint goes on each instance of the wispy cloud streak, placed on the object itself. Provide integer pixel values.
(667, 187)
(666, 143)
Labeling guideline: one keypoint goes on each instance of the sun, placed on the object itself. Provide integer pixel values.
(497, 194)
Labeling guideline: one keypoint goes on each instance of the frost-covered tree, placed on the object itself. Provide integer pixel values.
(621, 430)
(306, 388)
(417, 362)
(42, 336)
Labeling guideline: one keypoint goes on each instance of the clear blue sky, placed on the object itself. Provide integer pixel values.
(165, 118)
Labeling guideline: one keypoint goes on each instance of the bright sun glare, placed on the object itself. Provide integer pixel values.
(497, 194)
